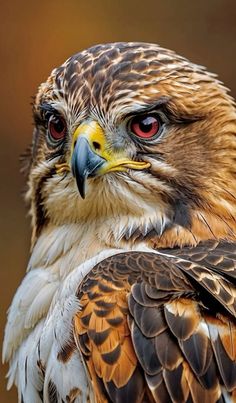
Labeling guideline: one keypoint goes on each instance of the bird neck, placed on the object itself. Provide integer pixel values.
(62, 248)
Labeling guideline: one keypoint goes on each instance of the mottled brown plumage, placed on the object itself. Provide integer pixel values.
(130, 294)
(175, 335)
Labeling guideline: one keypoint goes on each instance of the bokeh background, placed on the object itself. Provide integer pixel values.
(36, 36)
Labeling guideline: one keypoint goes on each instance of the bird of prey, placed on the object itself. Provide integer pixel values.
(130, 290)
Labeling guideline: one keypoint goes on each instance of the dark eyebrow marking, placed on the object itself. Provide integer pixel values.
(159, 103)
(166, 105)
(44, 112)
(48, 108)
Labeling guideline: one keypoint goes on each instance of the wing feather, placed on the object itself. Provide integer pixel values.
(163, 322)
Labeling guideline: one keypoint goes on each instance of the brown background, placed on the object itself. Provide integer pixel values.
(38, 35)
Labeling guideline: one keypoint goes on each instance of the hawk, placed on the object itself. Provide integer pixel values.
(130, 290)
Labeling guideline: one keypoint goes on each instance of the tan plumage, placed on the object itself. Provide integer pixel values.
(130, 293)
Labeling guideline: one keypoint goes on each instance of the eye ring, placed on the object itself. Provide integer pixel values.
(56, 128)
(145, 127)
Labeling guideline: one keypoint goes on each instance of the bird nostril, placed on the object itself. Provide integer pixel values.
(96, 145)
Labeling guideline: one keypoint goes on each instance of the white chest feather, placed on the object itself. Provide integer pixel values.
(40, 317)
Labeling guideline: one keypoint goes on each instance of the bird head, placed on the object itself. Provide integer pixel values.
(138, 137)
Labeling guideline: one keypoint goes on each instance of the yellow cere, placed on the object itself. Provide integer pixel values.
(93, 132)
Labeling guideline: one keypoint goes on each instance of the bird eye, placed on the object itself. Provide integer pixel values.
(57, 127)
(145, 126)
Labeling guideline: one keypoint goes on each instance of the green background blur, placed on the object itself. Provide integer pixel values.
(39, 35)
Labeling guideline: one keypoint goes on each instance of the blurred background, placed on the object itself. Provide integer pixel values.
(37, 36)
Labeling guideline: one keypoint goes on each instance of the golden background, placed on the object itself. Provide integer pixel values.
(36, 36)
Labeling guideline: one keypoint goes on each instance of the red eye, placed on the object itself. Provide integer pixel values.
(146, 126)
(57, 127)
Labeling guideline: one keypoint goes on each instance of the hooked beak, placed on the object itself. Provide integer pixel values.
(85, 162)
(92, 157)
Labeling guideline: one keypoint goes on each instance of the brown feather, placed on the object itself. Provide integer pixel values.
(181, 344)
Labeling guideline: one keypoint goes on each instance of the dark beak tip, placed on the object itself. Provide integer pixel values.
(81, 182)
(82, 192)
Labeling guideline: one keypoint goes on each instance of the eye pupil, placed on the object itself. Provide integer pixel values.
(58, 126)
(145, 126)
